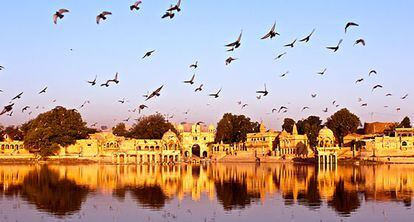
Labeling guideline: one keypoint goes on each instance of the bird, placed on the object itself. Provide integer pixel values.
(244, 105)
(284, 74)
(333, 102)
(84, 103)
(93, 125)
(168, 14)
(349, 24)
(229, 60)
(259, 97)
(115, 80)
(215, 95)
(122, 101)
(282, 108)
(10, 114)
(191, 81)
(322, 72)
(148, 54)
(313, 95)
(388, 94)
(307, 38)
(7, 109)
(200, 122)
(43, 90)
(272, 33)
(372, 72)
(195, 65)
(335, 48)
(364, 104)
(236, 44)
(398, 109)
(304, 108)
(127, 119)
(93, 82)
(176, 7)
(263, 92)
(200, 88)
(274, 110)
(291, 45)
(280, 55)
(59, 14)
(135, 6)
(359, 99)
(376, 86)
(325, 110)
(25, 108)
(106, 84)
(405, 96)
(359, 41)
(1, 68)
(359, 80)
(155, 93)
(102, 16)
(141, 107)
(18, 96)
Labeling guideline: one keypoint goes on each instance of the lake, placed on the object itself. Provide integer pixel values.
(216, 192)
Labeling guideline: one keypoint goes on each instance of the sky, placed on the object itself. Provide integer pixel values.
(36, 53)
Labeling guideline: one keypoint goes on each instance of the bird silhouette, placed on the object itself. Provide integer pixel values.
(229, 60)
(191, 81)
(115, 80)
(284, 74)
(349, 24)
(195, 65)
(405, 96)
(135, 6)
(102, 16)
(307, 38)
(304, 108)
(263, 92)
(292, 44)
(322, 72)
(280, 56)
(43, 90)
(59, 14)
(388, 94)
(372, 72)
(236, 44)
(106, 84)
(272, 33)
(364, 105)
(313, 95)
(325, 110)
(359, 80)
(259, 97)
(244, 105)
(7, 109)
(168, 15)
(19, 96)
(282, 108)
(122, 101)
(25, 108)
(359, 41)
(148, 54)
(200, 88)
(155, 93)
(93, 82)
(127, 119)
(215, 95)
(376, 87)
(335, 48)
(141, 108)
(1, 68)
(176, 7)
(10, 113)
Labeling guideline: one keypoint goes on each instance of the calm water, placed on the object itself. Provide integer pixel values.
(244, 192)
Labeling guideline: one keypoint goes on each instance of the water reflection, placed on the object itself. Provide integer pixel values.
(62, 189)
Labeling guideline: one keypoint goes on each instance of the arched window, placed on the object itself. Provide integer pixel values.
(404, 143)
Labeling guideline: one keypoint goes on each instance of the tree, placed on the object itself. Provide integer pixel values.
(405, 123)
(234, 128)
(151, 127)
(14, 132)
(53, 129)
(343, 123)
(288, 124)
(120, 130)
(310, 126)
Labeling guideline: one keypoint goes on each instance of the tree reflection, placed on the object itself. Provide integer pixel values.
(150, 196)
(233, 194)
(344, 201)
(49, 193)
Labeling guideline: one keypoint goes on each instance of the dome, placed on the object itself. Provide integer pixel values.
(325, 132)
(169, 135)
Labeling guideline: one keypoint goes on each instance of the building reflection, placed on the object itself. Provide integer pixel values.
(61, 189)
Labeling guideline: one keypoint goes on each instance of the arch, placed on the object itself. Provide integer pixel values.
(404, 143)
(195, 150)
(186, 154)
(205, 154)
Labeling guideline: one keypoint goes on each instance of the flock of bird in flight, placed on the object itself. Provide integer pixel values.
(230, 47)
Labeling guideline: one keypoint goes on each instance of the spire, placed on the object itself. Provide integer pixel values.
(262, 127)
(294, 130)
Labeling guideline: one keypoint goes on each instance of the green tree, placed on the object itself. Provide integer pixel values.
(288, 124)
(151, 127)
(120, 130)
(310, 126)
(343, 123)
(234, 128)
(405, 123)
(52, 129)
